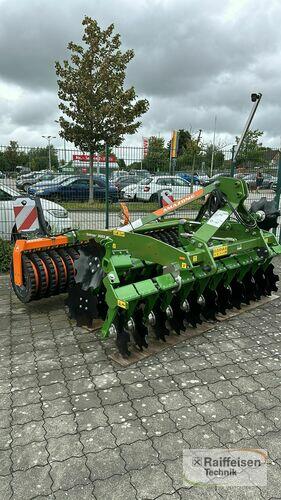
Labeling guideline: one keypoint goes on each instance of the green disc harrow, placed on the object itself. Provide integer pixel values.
(160, 272)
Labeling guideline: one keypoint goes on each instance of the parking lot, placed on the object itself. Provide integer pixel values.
(76, 425)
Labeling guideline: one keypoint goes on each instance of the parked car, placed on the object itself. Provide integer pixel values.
(268, 181)
(215, 177)
(59, 179)
(56, 216)
(77, 189)
(148, 189)
(126, 181)
(25, 183)
(188, 177)
(22, 170)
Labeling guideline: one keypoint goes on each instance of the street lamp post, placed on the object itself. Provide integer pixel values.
(48, 138)
(64, 144)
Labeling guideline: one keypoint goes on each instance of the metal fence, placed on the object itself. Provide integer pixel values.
(60, 177)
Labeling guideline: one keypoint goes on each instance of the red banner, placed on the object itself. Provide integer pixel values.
(96, 158)
(145, 146)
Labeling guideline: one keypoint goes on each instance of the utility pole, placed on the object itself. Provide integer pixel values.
(194, 159)
(213, 148)
(48, 138)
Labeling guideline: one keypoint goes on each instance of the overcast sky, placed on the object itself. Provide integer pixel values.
(194, 60)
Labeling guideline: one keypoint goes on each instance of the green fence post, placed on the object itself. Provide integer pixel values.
(278, 189)
(233, 166)
(106, 186)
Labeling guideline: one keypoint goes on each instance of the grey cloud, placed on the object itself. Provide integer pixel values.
(193, 60)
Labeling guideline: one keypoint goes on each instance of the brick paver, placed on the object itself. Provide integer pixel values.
(73, 425)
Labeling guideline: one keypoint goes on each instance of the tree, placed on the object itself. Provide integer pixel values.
(97, 109)
(191, 150)
(39, 158)
(121, 164)
(12, 157)
(218, 158)
(157, 157)
(252, 150)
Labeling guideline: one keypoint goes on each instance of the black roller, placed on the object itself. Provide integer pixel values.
(69, 264)
(42, 273)
(61, 270)
(52, 274)
(28, 290)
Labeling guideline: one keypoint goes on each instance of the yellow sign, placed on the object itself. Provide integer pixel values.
(122, 303)
(183, 265)
(174, 144)
(116, 232)
(219, 251)
(194, 258)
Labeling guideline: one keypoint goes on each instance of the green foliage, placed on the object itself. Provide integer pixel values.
(252, 150)
(39, 158)
(12, 156)
(97, 108)
(121, 164)
(35, 158)
(218, 161)
(5, 255)
(157, 158)
(190, 151)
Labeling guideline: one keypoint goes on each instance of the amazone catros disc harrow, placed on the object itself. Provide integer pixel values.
(156, 273)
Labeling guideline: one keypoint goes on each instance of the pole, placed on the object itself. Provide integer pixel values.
(194, 160)
(49, 144)
(233, 161)
(213, 148)
(256, 100)
(106, 186)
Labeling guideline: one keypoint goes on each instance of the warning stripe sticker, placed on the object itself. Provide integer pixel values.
(26, 216)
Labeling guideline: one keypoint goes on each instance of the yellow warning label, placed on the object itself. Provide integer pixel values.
(194, 258)
(122, 303)
(116, 232)
(183, 265)
(113, 245)
(219, 251)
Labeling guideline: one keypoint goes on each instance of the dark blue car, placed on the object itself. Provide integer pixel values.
(188, 177)
(77, 189)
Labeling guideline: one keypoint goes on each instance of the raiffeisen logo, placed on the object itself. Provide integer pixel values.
(230, 467)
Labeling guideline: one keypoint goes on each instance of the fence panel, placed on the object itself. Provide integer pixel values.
(60, 177)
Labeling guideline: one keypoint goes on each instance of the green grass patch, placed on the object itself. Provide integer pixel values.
(6, 251)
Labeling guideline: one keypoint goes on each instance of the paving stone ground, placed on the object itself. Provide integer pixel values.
(74, 425)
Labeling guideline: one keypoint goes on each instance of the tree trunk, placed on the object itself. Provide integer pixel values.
(91, 188)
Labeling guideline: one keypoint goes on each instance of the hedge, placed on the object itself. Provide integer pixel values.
(5, 255)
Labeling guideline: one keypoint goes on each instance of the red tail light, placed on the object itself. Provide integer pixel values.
(146, 188)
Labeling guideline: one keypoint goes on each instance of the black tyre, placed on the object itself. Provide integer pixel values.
(153, 198)
(28, 290)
